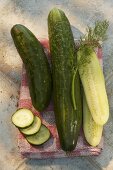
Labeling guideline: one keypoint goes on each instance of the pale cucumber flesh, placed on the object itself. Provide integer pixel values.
(22, 118)
(40, 137)
(33, 128)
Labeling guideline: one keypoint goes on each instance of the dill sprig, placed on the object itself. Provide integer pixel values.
(95, 36)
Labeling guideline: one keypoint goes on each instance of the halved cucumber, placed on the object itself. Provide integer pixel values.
(22, 118)
(40, 137)
(33, 128)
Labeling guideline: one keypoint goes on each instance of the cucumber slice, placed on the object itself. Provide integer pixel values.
(22, 118)
(33, 128)
(40, 137)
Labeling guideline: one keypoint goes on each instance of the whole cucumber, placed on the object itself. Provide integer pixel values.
(36, 64)
(93, 82)
(66, 82)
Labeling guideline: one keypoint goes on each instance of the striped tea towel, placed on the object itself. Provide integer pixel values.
(51, 149)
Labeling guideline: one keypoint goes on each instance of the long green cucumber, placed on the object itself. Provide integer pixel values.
(66, 84)
(36, 64)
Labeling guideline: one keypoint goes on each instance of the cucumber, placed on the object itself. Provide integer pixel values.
(92, 131)
(93, 82)
(22, 118)
(40, 137)
(33, 128)
(66, 81)
(36, 64)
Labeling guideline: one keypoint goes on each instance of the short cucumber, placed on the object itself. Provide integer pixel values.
(40, 137)
(33, 128)
(36, 65)
(22, 118)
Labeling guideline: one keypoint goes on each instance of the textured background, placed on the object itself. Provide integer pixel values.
(33, 14)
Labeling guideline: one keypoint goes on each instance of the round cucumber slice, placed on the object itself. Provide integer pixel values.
(40, 137)
(22, 118)
(33, 128)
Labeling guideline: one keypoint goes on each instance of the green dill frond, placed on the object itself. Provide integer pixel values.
(96, 35)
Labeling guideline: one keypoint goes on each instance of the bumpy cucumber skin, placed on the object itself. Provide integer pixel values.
(36, 64)
(92, 131)
(62, 48)
(93, 84)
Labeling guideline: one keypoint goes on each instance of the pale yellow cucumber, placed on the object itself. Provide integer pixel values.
(93, 84)
(92, 131)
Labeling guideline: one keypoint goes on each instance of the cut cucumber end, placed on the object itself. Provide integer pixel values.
(40, 137)
(22, 118)
(33, 128)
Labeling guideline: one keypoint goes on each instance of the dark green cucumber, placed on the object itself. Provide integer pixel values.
(66, 82)
(36, 64)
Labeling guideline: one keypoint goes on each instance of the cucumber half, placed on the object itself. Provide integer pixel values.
(33, 128)
(22, 118)
(40, 137)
